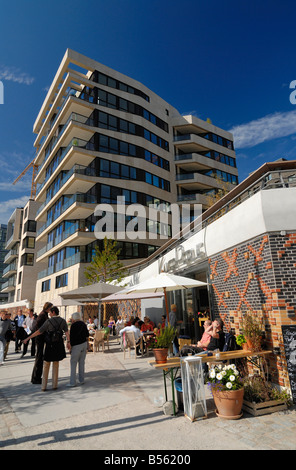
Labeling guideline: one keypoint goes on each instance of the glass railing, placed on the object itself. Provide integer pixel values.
(10, 283)
(86, 198)
(10, 254)
(64, 264)
(75, 142)
(10, 267)
(185, 176)
(186, 156)
(182, 137)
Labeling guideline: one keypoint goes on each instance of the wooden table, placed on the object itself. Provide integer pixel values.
(170, 368)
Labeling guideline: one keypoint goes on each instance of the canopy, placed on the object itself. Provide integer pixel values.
(91, 293)
(60, 302)
(133, 295)
(164, 282)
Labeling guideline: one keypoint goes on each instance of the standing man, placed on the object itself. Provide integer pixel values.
(19, 331)
(5, 325)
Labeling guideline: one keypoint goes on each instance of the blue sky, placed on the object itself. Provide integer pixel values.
(231, 61)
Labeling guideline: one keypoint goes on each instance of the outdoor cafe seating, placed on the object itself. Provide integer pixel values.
(97, 340)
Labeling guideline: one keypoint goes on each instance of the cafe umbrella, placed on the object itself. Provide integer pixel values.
(164, 282)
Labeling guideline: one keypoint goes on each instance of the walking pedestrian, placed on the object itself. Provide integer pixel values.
(29, 327)
(40, 341)
(78, 342)
(5, 325)
(53, 327)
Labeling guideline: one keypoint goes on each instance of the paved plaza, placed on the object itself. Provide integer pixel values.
(117, 409)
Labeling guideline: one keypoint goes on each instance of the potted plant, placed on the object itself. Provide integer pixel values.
(252, 327)
(227, 389)
(261, 397)
(241, 341)
(161, 342)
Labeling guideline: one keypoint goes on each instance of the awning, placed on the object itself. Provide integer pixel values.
(92, 293)
(131, 296)
(20, 303)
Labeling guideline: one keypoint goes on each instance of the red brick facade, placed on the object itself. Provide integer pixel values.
(258, 276)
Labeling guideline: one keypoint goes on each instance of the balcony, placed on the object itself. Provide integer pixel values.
(9, 270)
(77, 170)
(10, 256)
(198, 143)
(75, 198)
(64, 264)
(197, 161)
(9, 285)
(75, 236)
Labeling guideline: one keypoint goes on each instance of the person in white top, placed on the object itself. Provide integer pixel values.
(136, 330)
(29, 327)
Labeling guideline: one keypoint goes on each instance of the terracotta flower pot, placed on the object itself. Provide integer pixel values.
(160, 355)
(229, 403)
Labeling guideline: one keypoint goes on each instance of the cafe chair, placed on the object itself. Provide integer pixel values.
(98, 340)
(129, 342)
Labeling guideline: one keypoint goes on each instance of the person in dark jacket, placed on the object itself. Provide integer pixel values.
(78, 343)
(40, 341)
(54, 352)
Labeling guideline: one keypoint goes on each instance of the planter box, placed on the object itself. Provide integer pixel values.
(258, 409)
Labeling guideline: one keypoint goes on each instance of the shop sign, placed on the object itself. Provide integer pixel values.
(182, 258)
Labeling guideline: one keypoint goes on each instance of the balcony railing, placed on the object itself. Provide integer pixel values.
(10, 267)
(86, 198)
(64, 264)
(10, 283)
(10, 254)
(185, 176)
(76, 169)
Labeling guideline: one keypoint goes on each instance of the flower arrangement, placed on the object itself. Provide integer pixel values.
(225, 378)
(163, 338)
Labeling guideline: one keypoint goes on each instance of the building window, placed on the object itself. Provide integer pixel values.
(45, 286)
(61, 281)
(27, 259)
(30, 226)
(29, 242)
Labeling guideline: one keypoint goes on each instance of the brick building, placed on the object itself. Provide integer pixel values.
(245, 249)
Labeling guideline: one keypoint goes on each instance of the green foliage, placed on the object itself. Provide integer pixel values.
(240, 340)
(164, 338)
(257, 390)
(105, 265)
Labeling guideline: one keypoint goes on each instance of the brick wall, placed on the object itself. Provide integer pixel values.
(258, 276)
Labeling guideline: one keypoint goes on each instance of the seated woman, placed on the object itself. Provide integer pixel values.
(148, 325)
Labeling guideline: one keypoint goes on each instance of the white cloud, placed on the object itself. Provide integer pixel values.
(7, 207)
(272, 126)
(15, 75)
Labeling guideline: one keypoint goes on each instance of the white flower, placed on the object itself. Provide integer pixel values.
(219, 366)
(229, 385)
(232, 378)
(219, 376)
(235, 372)
(212, 374)
(223, 373)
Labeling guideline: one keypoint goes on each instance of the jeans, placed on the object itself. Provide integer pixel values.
(2, 348)
(78, 354)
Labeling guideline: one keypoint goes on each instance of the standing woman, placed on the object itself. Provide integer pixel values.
(54, 352)
(40, 341)
(78, 341)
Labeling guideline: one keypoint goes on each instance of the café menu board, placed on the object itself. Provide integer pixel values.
(289, 335)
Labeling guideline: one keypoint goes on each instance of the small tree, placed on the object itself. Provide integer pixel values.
(105, 265)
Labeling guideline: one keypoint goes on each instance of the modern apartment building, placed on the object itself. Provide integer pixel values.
(3, 233)
(20, 273)
(102, 135)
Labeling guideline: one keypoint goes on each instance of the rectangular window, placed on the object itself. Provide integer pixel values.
(61, 281)
(45, 286)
